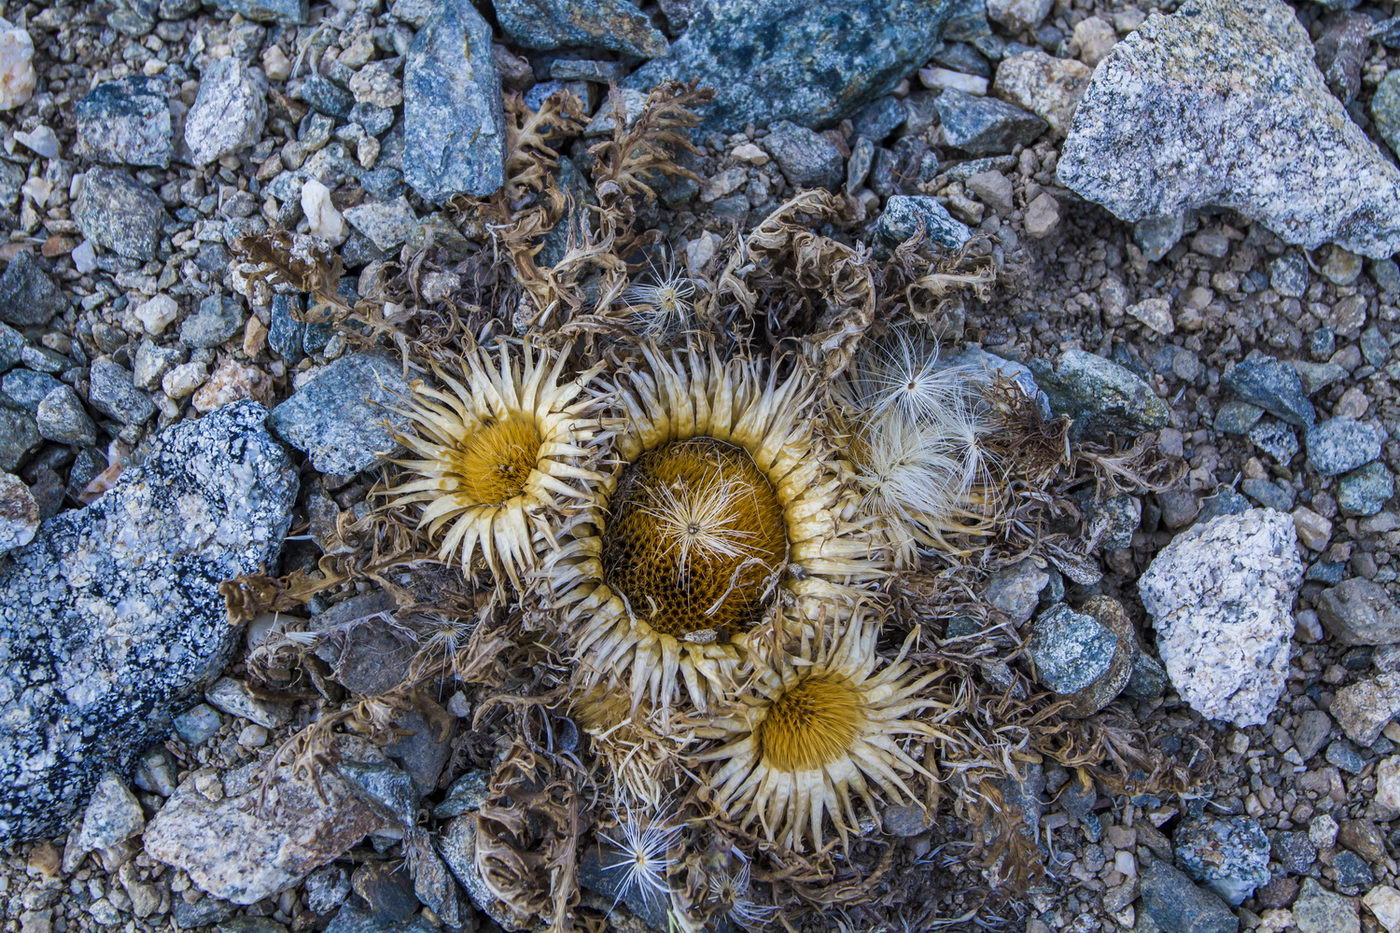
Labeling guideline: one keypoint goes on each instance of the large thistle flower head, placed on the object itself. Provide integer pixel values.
(819, 731)
(722, 519)
(501, 450)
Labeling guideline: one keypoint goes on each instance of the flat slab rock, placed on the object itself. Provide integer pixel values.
(1221, 104)
(239, 851)
(111, 618)
(1221, 598)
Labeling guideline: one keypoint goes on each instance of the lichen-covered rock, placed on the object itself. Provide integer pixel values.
(341, 419)
(1086, 656)
(615, 25)
(1221, 104)
(1221, 599)
(454, 130)
(127, 121)
(112, 618)
(907, 214)
(1230, 854)
(1100, 396)
(812, 63)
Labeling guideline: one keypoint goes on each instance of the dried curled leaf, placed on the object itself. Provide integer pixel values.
(248, 596)
(628, 163)
(282, 260)
(527, 838)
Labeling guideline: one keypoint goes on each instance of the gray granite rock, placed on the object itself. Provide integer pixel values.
(1229, 854)
(12, 347)
(240, 851)
(117, 212)
(112, 617)
(1360, 612)
(60, 417)
(1318, 910)
(113, 815)
(1365, 491)
(219, 318)
(126, 121)
(1221, 104)
(772, 60)
(1221, 599)
(454, 130)
(615, 25)
(1341, 444)
(1177, 905)
(340, 419)
(1385, 110)
(807, 158)
(19, 513)
(198, 724)
(27, 295)
(905, 215)
(387, 224)
(281, 11)
(1367, 706)
(112, 392)
(1274, 386)
(26, 388)
(1100, 396)
(985, 125)
(229, 112)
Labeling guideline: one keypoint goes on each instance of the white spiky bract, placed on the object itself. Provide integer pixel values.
(663, 305)
(789, 769)
(699, 520)
(693, 394)
(643, 844)
(506, 410)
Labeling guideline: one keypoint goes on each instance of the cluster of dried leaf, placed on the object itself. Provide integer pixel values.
(802, 282)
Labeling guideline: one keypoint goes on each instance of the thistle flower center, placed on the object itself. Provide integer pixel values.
(811, 724)
(696, 532)
(492, 464)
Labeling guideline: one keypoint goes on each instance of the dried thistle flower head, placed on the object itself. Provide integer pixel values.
(501, 449)
(722, 516)
(663, 305)
(816, 730)
(642, 854)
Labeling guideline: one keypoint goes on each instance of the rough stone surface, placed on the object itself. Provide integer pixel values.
(386, 223)
(907, 214)
(1047, 86)
(454, 131)
(1178, 906)
(113, 814)
(772, 60)
(1366, 707)
(1100, 396)
(1264, 136)
(118, 213)
(1365, 491)
(228, 113)
(615, 25)
(1273, 386)
(1318, 910)
(1087, 655)
(1230, 854)
(1341, 444)
(27, 295)
(18, 436)
(806, 157)
(61, 417)
(283, 11)
(112, 616)
(126, 121)
(113, 393)
(17, 75)
(338, 418)
(1221, 599)
(237, 851)
(1360, 612)
(19, 513)
(984, 125)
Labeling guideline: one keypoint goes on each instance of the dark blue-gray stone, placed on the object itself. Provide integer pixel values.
(18, 436)
(985, 125)
(1179, 906)
(1276, 439)
(807, 158)
(27, 388)
(615, 25)
(1274, 386)
(60, 417)
(126, 121)
(111, 618)
(27, 295)
(1101, 397)
(880, 118)
(340, 418)
(1268, 494)
(1294, 851)
(12, 347)
(117, 212)
(112, 392)
(1230, 854)
(1352, 870)
(282, 11)
(1236, 417)
(1385, 110)
(1330, 572)
(1341, 444)
(325, 96)
(1071, 650)
(1288, 275)
(454, 131)
(350, 919)
(285, 332)
(1365, 491)
(1316, 376)
(1148, 679)
(907, 214)
(1375, 347)
(1224, 502)
(812, 63)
